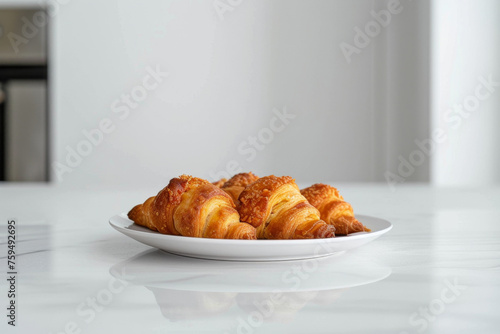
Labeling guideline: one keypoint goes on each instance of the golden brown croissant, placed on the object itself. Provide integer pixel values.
(235, 185)
(219, 183)
(334, 210)
(276, 208)
(192, 207)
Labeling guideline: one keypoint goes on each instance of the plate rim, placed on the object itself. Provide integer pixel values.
(156, 234)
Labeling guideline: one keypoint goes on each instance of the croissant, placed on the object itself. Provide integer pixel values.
(275, 207)
(334, 210)
(235, 185)
(219, 183)
(192, 207)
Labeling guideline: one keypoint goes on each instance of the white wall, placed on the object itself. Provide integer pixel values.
(226, 78)
(466, 46)
(354, 121)
(401, 89)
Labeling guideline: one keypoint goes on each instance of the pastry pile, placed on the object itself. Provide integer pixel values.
(247, 207)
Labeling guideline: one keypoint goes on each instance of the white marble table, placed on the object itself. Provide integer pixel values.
(437, 271)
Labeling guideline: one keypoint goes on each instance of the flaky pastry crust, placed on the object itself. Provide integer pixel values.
(275, 207)
(219, 183)
(333, 209)
(235, 185)
(192, 207)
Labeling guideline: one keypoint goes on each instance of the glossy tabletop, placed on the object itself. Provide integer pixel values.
(436, 271)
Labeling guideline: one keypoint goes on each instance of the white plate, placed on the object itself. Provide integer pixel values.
(251, 250)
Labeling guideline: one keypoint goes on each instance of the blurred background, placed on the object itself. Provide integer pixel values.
(137, 92)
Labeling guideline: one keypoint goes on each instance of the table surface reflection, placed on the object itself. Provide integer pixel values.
(437, 271)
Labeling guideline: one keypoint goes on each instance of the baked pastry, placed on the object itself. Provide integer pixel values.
(275, 207)
(192, 207)
(219, 183)
(333, 209)
(235, 185)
